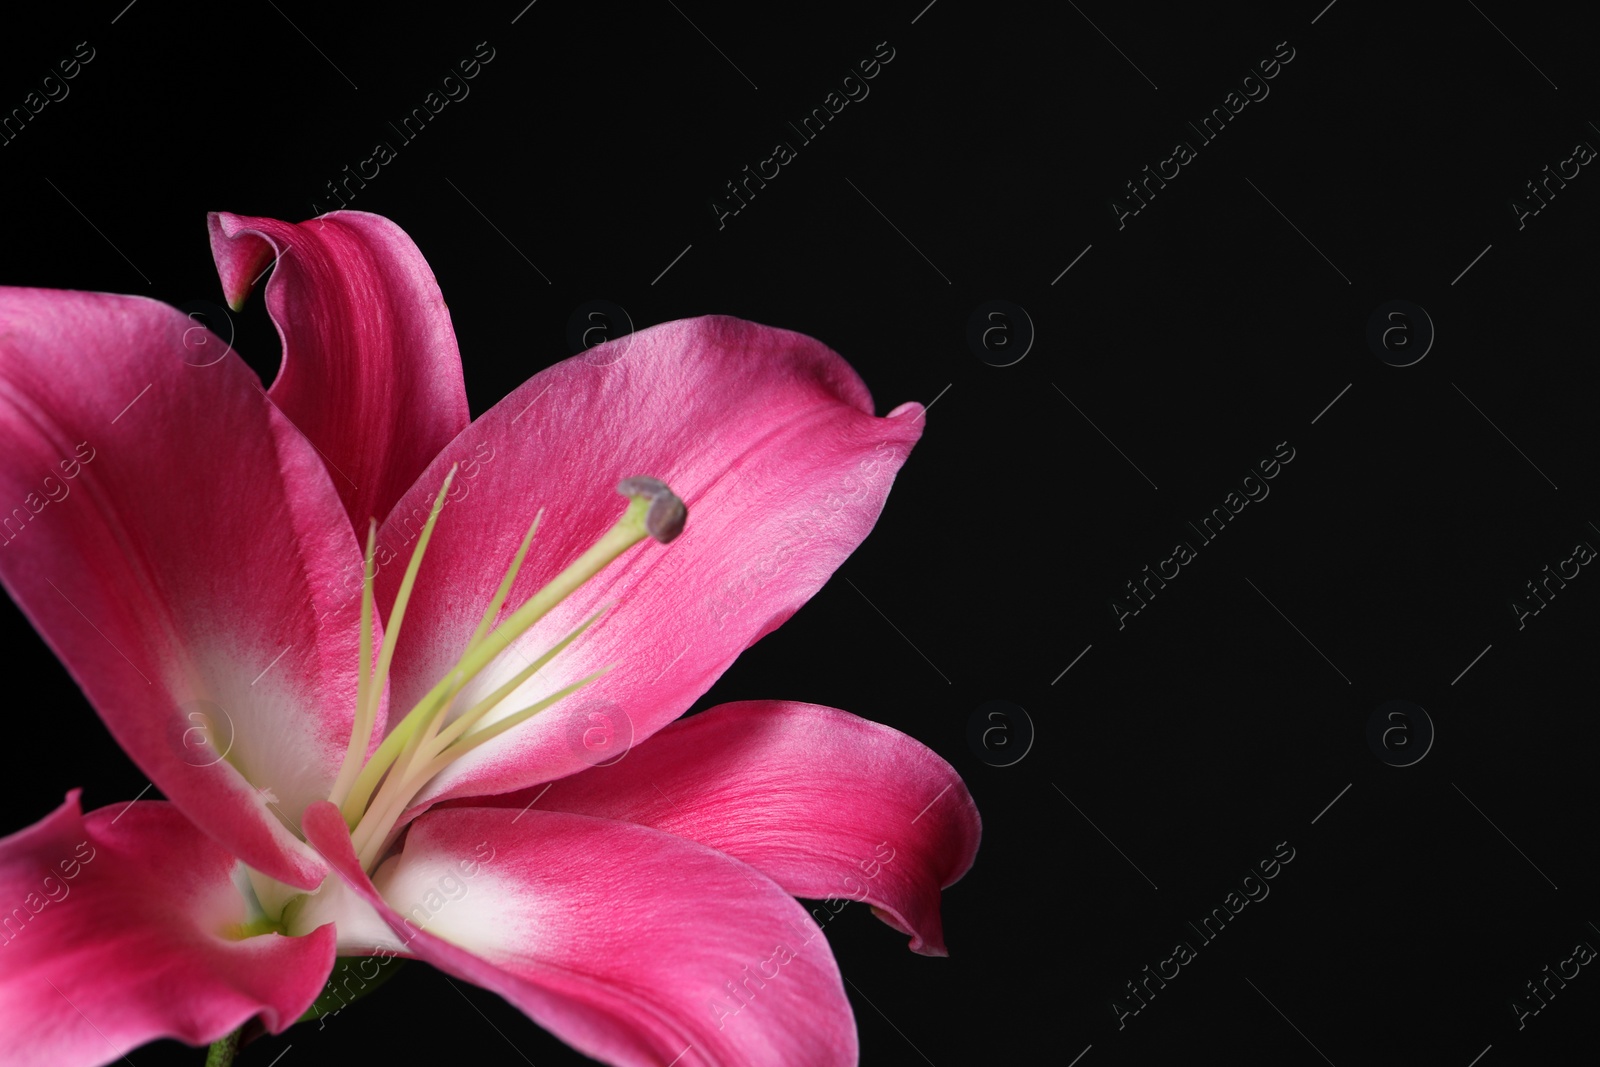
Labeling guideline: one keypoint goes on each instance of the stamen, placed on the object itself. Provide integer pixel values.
(397, 614)
(495, 604)
(495, 729)
(629, 530)
(422, 744)
(369, 849)
(391, 748)
(499, 599)
(403, 783)
(467, 719)
(667, 513)
(368, 778)
(361, 731)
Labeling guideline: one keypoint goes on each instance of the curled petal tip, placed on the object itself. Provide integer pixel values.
(909, 407)
(667, 513)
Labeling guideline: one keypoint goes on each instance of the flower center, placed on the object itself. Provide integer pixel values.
(373, 793)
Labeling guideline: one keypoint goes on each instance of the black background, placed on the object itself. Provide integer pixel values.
(1222, 319)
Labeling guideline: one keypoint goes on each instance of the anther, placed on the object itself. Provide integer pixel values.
(667, 513)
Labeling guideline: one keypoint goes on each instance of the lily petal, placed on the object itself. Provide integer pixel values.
(117, 935)
(769, 438)
(370, 370)
(179, 546)
(633, 946)
(825, 803)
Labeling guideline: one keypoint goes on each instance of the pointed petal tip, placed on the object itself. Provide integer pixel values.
(930, 945)
(827, 804)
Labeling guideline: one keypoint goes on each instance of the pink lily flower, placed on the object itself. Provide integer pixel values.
(421, 737)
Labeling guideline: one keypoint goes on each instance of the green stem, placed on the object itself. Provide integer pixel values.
(223, 1050)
